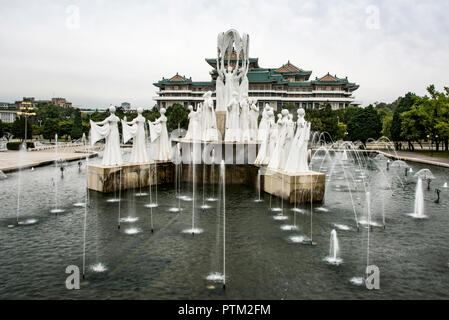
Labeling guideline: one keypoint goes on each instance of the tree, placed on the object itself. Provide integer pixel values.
(364, 124)
(177, 114)
(50, 128)
(402, 104)
(77, 128)
(64, 128)
(18, 128)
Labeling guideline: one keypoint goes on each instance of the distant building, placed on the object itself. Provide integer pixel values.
(26, 102)
(8, 112)
(287, 84)
(62, 102)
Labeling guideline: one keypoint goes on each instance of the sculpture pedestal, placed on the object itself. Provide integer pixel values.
(128, 176)
(299, 188)
(221, 123)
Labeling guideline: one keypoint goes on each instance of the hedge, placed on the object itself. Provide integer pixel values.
(16, 145)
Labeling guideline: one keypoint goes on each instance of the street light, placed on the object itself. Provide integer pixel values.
(26, 110)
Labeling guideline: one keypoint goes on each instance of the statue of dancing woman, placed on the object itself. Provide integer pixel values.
(108, 130)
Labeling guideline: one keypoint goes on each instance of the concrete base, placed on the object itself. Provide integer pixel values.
(128, 176)
(300, 188)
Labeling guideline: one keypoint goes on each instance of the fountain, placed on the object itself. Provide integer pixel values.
(419, 202)
(334, 250)
(56, 210)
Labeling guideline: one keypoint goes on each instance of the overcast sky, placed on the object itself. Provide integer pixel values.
(96, 53)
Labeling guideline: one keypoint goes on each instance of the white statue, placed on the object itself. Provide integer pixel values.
(253, 117)
(268, 145)
(263, 131)
(229, 43)
(194, 129)
(297, 158)
(275, 159)
(290, 133)
(158, 131)
(135, 130)
(244, 120)
(209, 120)
(220, 91)
(108, 129)
(232, 133)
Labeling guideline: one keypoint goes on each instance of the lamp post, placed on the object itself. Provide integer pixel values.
(26, 110)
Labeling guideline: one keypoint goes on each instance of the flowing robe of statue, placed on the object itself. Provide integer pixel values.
(267, 146)
(220, 92)
(275, 158)
(209, 123)
(297, 158)
(263, 131)
(108, 129)
(233, 120)
(244, 120)
(135, 129)
(194, 129)
(159, 134)
(253, 117)
(288, 141)
(228, 90)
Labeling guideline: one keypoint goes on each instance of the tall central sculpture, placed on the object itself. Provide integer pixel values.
(232, 77)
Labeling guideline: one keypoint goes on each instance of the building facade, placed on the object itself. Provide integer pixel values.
(8, 112)
(281, 86)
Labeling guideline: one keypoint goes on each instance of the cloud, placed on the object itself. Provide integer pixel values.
(116, 50)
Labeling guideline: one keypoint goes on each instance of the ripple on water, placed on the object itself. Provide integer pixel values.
(98, 267)
(280, 217)
(129, 219)
(151, 205)
(79, 204)
(342, 227)
(333, 261)
(194, 230)
(57, 210)
(132, 231)
(28, 222)
(216, 277)
(141, 194)
(299, 239)
(289, 227)
(357, 281)
(113, 200)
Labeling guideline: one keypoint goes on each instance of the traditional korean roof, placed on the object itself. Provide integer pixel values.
(333, 79)
(176, 79)
(290, 68)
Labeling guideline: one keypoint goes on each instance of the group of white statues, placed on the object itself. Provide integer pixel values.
(241, 120)
(202, 121)
(283, 143)
(135, 129)
(283, 148)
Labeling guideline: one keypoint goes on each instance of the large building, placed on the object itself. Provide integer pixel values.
(8, 112)
(287, 84)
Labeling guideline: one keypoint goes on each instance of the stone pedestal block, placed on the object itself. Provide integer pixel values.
(128, 176)
(221, 122)
(299, 188)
